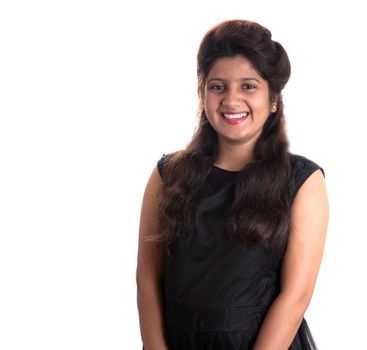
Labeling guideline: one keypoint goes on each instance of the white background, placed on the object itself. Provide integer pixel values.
(92, 93)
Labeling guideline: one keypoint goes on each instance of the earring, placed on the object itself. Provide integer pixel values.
(274, 108)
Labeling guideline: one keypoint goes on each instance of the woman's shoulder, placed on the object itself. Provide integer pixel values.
(164, 159)
(301, 169)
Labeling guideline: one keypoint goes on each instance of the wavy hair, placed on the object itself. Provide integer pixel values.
(260, 211)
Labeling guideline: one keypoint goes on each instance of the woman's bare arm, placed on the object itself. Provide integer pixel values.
(309, 218)
(149, 275)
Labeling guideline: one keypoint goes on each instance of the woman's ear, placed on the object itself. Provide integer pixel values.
(200, 92)
(274, 103)
(201, 88)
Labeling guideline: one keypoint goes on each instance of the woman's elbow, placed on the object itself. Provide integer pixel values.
(297, 301)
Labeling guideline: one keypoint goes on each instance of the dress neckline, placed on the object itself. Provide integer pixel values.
(224, 171)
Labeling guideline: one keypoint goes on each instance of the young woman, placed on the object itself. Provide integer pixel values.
(232, 227)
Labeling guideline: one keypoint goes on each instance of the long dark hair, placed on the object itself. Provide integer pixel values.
(260, 210)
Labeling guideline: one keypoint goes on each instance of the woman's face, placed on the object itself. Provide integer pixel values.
(236, 100)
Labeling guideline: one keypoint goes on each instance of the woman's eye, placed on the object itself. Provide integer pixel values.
(217, 87)
(248, 86)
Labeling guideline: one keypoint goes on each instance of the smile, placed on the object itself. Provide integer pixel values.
(232, 116)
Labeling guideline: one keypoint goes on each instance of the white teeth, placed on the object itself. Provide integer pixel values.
(235, 116)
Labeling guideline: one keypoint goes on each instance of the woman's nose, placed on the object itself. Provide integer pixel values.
(232, 98)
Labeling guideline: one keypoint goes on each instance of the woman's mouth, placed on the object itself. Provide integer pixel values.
(235, 118)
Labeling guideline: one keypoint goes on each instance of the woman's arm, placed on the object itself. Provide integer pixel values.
(309, 218)
(149, 275)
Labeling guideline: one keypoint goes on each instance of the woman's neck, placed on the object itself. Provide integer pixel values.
(233, 157)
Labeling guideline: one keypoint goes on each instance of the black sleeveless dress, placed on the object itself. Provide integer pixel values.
(217, 292)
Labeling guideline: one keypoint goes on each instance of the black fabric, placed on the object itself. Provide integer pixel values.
(217, 292)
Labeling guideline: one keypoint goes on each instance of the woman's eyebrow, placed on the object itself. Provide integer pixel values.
(241, 79)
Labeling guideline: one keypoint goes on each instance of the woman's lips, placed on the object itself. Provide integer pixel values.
(235, 118)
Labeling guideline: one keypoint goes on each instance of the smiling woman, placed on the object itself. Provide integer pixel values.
(233, 227)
